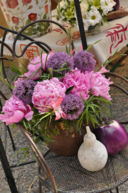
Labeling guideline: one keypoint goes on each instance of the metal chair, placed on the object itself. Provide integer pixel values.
(50, 168)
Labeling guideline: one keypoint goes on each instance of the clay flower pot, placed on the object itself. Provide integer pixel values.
(67, 142)
(19, 13)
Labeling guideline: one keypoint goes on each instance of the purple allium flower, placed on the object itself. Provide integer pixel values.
(117, 4)
(60, 60)
(24, 90)
(84, 61)
(72, 106)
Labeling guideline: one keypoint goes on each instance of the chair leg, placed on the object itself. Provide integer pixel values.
(7, 170)
(11, 138)
(117, 190)
(40, 185)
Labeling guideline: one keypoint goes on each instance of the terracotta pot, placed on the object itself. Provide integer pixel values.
(67, 142)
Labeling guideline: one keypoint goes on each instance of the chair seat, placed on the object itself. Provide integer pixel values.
(72, 178)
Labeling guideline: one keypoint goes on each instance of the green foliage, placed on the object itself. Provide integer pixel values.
(69, 89)
(24, 151)
(67, 13)
(91, 45)
(44, 125)
(93, 111)
(2, 79)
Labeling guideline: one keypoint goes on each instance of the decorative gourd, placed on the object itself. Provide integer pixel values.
(92, 154)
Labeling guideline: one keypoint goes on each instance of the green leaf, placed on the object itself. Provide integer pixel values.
(69, 89)
(90, 46)
(24, 151)
(5, 81)
(47, 114)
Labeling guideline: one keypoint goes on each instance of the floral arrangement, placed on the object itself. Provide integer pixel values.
(93, 11)
(58, 87)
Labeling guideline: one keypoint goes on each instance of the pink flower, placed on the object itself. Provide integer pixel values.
(99, 84)
(84, 83)
(14, 111)
(12, 3)
(79, 81)
(35, 64)
(26, 1)
(103, 70)
(57, 109)
(47, 93)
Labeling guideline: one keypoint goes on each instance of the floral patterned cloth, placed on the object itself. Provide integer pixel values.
(19, 13)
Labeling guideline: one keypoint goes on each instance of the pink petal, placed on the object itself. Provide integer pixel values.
(57, 103)
(58, 115)
(29, 115)
(103, 70)
(17, 117)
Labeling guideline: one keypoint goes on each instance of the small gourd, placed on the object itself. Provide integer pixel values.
(92, 154)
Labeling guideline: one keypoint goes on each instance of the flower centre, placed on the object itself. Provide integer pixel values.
(93, 17)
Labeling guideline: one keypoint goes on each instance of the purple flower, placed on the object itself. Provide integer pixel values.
(84, 61)
(60, 60)
(117, 4)
(24, 90)
(72, 106)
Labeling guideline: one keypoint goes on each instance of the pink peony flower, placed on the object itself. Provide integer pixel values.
(46, 93)
(79, 81)
(99, 84)
(14, 111)
(12, 3)
(26, 1)
(35, 64)
(94, 82)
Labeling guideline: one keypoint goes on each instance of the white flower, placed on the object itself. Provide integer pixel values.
(107, 5)
(86, 24)
(62, 4)
(93, 16)
(84, 7)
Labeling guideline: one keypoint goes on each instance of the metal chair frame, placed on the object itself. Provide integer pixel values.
(41, 159)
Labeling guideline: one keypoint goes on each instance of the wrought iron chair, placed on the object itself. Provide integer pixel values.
(70, 168)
